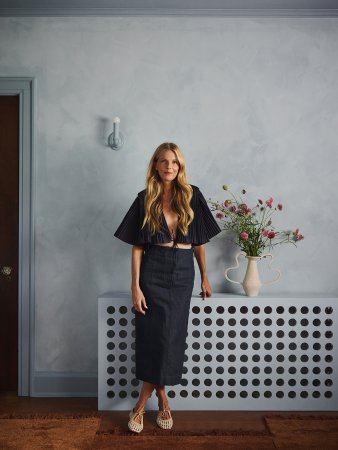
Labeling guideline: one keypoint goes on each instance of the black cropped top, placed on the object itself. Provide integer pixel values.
(201, 230)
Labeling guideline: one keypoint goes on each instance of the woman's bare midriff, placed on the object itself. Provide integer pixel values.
(178, 245)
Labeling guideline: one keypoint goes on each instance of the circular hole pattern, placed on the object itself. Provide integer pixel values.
(227, 345)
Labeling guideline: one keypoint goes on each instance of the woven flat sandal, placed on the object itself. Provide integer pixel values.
(133, 425)
(162, 421)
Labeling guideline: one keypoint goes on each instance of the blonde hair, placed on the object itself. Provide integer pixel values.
(182, 193)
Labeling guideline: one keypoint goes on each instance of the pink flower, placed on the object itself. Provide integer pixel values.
(248, 210)
(269, 202)
(300, 237)
(297, 231)
(232, 208)
(271, 234)
(264, 233)
(280, 206)
(244, 236)
(226, 203)
(219, 215)
(260, 201)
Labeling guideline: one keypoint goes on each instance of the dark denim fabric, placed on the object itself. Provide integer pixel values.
(166, 280)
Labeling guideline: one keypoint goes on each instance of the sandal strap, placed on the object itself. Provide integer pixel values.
(166, 405)
(138, 413)
(165, 408)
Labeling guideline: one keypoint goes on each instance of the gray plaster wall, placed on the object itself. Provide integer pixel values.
(252, 102)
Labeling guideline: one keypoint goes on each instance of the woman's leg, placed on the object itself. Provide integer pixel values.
(146, 390)
(162, 399)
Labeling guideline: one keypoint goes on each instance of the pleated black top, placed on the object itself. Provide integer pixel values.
(201, 230)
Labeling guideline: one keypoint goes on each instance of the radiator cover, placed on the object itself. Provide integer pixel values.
(242, 353)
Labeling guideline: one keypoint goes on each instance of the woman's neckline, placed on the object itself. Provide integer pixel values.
(167, 227)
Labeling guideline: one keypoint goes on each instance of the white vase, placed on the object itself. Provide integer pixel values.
(252, 283)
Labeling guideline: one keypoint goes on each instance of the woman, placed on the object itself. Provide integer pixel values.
(167, 224)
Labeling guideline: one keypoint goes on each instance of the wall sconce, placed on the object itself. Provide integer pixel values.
(116, 139)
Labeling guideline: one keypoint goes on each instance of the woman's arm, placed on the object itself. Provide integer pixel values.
(205, 285)
(137, 294)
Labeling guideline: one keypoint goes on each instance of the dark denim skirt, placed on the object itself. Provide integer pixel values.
(166, 280)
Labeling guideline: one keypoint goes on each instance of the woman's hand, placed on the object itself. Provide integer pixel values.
(138, 299)
(206, 288)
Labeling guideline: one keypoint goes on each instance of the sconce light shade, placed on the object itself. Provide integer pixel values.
(116, 139)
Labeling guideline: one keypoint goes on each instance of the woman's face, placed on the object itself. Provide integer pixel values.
(167, 166)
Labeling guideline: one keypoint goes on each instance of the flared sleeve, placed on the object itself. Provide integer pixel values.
(201, 229)
(205, 225)
(129, 229)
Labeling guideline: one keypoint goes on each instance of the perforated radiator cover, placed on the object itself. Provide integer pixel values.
(242, 353)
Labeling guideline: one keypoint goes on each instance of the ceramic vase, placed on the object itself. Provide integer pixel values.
(251, 282)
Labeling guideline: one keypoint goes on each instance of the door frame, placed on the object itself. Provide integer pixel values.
(25, 87)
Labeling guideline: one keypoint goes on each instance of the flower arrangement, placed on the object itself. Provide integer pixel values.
(252, 227)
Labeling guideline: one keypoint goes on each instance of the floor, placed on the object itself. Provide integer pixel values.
(183, 420)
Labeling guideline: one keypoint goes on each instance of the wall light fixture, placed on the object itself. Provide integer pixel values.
(116, 139)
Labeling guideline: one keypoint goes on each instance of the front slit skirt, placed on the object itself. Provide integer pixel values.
(166, 280)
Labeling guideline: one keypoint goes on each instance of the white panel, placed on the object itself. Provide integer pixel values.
(264, 353)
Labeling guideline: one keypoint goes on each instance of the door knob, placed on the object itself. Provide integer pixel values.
(6, 270)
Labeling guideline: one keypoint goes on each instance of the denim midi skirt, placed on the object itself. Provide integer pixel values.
(166, 280)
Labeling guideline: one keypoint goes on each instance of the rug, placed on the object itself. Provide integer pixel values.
(96, 431)
(111, 435)
(118, 431)
(48, 432)
(293, 431)
(206, 442)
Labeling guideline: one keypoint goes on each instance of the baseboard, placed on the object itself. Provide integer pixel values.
(64, 384)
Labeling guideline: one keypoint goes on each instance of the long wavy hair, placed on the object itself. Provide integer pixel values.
(182, 193)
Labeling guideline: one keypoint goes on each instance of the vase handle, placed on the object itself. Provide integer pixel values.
(234, 267)
(271, 268)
